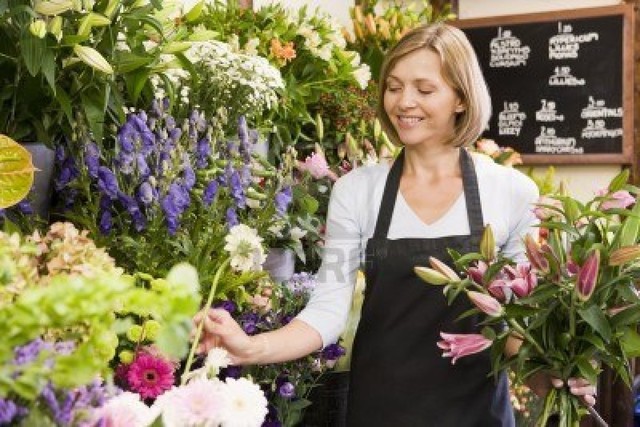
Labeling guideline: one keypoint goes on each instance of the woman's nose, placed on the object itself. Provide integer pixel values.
(407, 99)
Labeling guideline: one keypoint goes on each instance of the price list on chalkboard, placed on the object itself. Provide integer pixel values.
(557, 85)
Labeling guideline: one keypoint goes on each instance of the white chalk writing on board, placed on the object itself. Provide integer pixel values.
(548, 142)
(598, 129)
(597, 109)
(548, 113)
(508, 51)
(511, 119)
(562, 77)
(566, 45)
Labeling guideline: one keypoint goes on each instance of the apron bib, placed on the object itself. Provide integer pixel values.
(398, 374)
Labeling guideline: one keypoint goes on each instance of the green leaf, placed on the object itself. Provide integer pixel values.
(126, 62)
(594, 316)
(630, 342)
(33, 49)
(16, 172)
(49, 68)
(94, 105)
(619, 181)
(628, 316)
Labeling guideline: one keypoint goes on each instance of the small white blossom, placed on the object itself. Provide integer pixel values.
(362, 75)
(245, 248)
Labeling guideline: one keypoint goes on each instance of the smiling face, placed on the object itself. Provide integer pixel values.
(420, 104)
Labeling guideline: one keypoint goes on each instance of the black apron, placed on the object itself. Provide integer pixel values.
(398, 375)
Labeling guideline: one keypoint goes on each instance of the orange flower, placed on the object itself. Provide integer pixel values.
(283, 53)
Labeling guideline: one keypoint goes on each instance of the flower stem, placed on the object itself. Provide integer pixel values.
(519, 329)
(196, 338)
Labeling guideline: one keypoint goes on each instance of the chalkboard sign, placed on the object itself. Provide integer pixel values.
(561, 83)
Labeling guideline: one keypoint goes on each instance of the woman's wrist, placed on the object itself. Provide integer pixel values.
(259, 349)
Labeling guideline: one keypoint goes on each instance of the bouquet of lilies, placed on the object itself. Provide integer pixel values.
(573, 304)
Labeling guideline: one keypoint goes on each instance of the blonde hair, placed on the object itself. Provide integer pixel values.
(460, 70)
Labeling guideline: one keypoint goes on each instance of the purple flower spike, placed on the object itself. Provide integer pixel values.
(146, 193)
(210, 193)
(283, 199)
(10, 412)
(237, 191)
(92, 159)
(232, 218)
(107, 183)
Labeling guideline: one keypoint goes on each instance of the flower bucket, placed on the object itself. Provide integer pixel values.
(280, 264)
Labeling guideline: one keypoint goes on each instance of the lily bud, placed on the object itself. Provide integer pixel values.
(462, 345)
(377, 129)
(431, 276)
(357, 14)
(488, 244)
(624, 255)
(370, 24)
(92, 58)
(319, 127)
(534, 254)
(38, 28)
(486, 303)
(443, 268)
(55, 27)
(53, 7)
(588, 276)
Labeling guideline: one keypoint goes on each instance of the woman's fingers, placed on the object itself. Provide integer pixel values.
(556, 382)
(581, 387)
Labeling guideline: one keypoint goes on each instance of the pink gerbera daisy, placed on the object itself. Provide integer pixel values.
(150, 376)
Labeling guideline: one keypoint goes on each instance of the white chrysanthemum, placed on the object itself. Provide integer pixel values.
(245, 248)
(245, 404)
(201, 402)
(124, 410)
(217, 358)
(362, 75)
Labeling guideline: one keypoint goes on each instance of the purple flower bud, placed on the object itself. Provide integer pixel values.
(232, 218)
(146, 193)
(210, 193)
(287, 390)
(24, 206)
(333, 352)
(588, 276)
(175, 134)
(227, 305)
(92, 159)
(10, 412)
(189, 177)
(130, 204)
(125, 162)
(107, 183)
(237, 190)
(283, 199)
(203, 151)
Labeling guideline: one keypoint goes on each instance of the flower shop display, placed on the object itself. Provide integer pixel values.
(164, 189)
(286, 385)
(64, 306)
(573, 304)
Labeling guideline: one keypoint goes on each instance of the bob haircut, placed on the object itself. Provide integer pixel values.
(460, 70)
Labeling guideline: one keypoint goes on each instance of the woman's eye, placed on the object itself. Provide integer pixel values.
(425, 92)
(393, 89)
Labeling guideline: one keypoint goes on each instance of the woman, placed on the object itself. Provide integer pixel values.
(436, 196)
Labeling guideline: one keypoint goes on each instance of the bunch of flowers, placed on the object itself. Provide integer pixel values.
(573, 305)
(176, 190)
(60, 295)
(377, 27)
(506, 156)
(221, 83)
(307, 47)
(286, 385)
(202, 399)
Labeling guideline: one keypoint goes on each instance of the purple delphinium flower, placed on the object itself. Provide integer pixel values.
(243, 137)
(125, 162)
(173, 205)
(227, 305)
(175, 134)
(249, 322)
(130, 204)
(105, 223)
(24, 206)
(67, 173)
(283, 199)
(29, 352)
(92, 159)
(237, 190)
(286, 319)
(146, 193)
(143, 167)
(189, 177)
(108, 183)
(10, 412)
(210, 193)
(232, 218)
(287, 390)
(333, 352)
(203, 151)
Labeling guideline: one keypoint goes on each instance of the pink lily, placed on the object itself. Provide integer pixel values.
(486, 303)
(497, 289)
(461, 345)
(476, 273)
(535, 255)
(621, 199)
(316, 164)
(588, 276)
(523, 280)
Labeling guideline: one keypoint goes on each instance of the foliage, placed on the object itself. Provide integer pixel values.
(63, 58)
(63, 306)
(574, 304)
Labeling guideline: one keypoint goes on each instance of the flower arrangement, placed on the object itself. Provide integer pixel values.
(377, 27)
(573, 305)
(286, 385)
(175, 189)
(221, 83)
(506, 156)
(63, 306)
(308, 49)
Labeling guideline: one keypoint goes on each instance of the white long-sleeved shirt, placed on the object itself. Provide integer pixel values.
(507, 197)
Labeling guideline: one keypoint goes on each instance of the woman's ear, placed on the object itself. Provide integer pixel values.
(460, 108)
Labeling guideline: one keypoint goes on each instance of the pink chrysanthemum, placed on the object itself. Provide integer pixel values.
(198, 403)
(150, 376)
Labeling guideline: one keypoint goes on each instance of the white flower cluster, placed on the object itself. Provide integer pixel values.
(245, 248)
(240, 81)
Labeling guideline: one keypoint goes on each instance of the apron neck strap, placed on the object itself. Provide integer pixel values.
(471, 193)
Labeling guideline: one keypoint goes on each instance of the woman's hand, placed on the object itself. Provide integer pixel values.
(221, 330)
(540, 383)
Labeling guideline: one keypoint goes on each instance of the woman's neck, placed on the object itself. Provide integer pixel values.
(432, 163)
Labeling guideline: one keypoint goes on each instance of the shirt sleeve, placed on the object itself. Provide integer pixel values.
(328, 307)
(522, 221)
